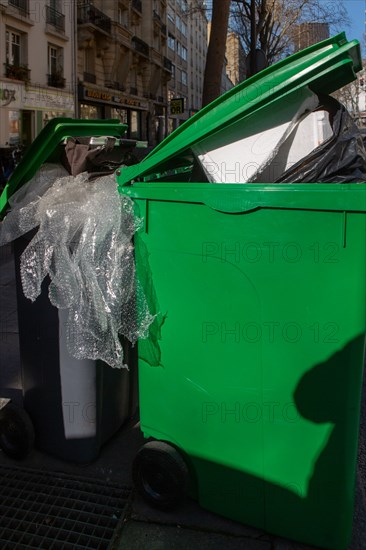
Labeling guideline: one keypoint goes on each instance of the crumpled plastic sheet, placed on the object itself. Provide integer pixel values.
(85, 245)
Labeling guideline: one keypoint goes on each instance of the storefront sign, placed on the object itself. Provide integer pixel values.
(41, 98)
(177, 106)
(96, 94)
(90, 94)
(7, 96)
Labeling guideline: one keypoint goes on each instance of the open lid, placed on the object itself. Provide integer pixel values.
(323, 68)
(47, 141)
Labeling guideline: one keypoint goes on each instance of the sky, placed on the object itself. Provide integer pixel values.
(356, 11)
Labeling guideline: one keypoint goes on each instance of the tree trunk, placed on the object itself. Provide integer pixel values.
(216, 51)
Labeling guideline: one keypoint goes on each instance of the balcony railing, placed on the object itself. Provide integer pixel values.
(137, 5)
(17, 72)
(55, 18)
(90, 77)
(168, 65)
(56, 80)
(87, 13)
(22, 5)
(115, 85)
(140, 46)
(156, 16)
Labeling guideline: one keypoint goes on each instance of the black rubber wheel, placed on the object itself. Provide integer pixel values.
(16, 431)
(160, 475)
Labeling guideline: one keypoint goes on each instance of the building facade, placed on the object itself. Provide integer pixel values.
(36, 67)
(178, 55)
(123, 68)
(197, 51)
(307, 34)
(235, 57)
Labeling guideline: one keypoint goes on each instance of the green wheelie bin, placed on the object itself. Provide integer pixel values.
(252, 390)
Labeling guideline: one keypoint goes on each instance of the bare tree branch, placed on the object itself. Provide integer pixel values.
(276, 21)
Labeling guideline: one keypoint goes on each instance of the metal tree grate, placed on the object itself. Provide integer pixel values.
(47, 510)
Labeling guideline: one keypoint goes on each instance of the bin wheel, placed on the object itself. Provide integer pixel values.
(16, 431)
(160, 475)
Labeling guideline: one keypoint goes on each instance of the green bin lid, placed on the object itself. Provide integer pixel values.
(55, 131)
(323, 68)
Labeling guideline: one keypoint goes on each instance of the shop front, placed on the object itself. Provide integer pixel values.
(11, 95)
(41, 105)
(99, 103)
(24, 111)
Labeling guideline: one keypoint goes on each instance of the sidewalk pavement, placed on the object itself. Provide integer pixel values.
(144, 527)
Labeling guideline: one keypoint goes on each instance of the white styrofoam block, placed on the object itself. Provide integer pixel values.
(240, 152)
(310, 132)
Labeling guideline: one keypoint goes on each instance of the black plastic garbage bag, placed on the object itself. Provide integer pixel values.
(340, 159)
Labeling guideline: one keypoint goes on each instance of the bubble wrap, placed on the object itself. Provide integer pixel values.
(84, 243)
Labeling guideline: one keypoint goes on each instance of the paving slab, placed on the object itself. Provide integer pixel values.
(146, 536)
(191, 515)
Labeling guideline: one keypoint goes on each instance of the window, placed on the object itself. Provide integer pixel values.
(89, 61)
(52, 60)
(171, 16)
(13, 48)
(182, 4)
(171, 42)
(184, 77)
(181, 26)
(120, 114)
(182, 51)
(55, 5)
(135, 125)
(55, 60)
(89, 112)
(122, 16)
(173, 71)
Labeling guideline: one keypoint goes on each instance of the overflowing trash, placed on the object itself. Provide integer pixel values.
(309, 138)
(84, 244)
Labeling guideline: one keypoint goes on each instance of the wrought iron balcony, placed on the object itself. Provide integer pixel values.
(17, 72)
(168, 65)
(140, 46)
(55, 18)
(22, 5)
(56, 80)
(87, 13)
(90, 77)
(156, 16)
(115, 85)
(137, 5)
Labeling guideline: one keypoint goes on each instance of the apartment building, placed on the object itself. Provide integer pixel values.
(309, 33)
(178, 56)
(123, 67)
(235, 57)
(36, 67)
(197, 51)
